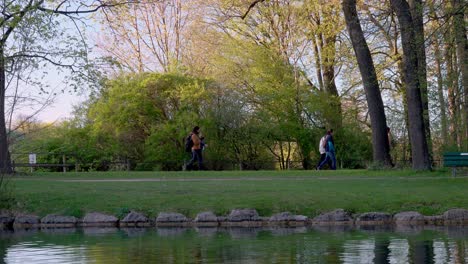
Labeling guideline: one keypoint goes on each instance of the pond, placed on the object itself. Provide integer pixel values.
(237, 245)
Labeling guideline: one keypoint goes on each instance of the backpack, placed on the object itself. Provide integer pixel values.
(321, 147)
(188, 143)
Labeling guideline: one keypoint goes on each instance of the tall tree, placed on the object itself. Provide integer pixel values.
(459, 28)
(147, 36)
(381, 148)
(416, 9)
(438, 60)
(43, 16)
(324, 29)
(419, 147)
(452, 79)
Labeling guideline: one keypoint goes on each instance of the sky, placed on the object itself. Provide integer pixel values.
(62, 106)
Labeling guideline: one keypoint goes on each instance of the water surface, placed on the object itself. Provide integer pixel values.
(237, 245)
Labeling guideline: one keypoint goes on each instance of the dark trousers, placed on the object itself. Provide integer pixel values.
(330, 157)
(322, 158)
(196, 156)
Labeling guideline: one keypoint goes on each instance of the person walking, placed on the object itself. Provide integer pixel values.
(329, 146)
(196, 149)
(322, 151)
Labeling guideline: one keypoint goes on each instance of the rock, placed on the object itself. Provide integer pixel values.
(240, 215)
(135, 219)
(456, 216)
(282, 217)
(171, 219)
(6, 220)
(410, 217)
(26, 221)
(434, 220)
(53, 220)
(338, 216)
(288, 217)
(99, 219)
(222, 219)
(206, 217)
(374, 218)
(300, 218)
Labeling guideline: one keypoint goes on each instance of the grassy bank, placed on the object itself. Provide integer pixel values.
(303, 192)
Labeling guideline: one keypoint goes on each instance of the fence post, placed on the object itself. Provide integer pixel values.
(64, 159)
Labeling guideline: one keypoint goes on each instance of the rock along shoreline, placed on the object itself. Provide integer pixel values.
(236, 218)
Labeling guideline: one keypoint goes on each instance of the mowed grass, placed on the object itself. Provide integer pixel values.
(303, 192)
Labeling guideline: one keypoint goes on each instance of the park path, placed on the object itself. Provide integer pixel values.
(255, 179)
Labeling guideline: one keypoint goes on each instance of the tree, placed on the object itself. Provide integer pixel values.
(44, 17)
(324, 29)
(459, 29)
(380, 142)
(438, 61)
(148, 36)
(419, 147)
(416, 9)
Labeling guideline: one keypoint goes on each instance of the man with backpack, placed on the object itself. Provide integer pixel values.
(329, 145)
(193, 143)
(322, 151)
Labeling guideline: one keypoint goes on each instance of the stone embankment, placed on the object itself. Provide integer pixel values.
(236, 218)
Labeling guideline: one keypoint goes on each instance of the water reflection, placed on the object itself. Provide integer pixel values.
(237, 245)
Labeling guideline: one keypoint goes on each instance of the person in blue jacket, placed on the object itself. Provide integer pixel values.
(329, 146)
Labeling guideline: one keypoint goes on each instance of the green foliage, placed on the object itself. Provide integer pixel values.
(144, 119)
(353, 147)
(148, 116)
(7, 199)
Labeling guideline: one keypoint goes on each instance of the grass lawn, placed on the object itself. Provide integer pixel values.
(303, 192)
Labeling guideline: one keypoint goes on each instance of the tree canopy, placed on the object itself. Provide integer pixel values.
(264, 80)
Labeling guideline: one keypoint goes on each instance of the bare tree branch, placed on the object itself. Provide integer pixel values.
(250, 8)
(88, 11)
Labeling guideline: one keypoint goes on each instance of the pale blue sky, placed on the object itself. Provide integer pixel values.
(62, 107)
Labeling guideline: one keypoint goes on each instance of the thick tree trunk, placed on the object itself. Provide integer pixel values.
(329, 65)
(5, 162)
(380, 144)
(462, 50)
(402, 89)
(419, 148)
(317, 62)
(416, 9)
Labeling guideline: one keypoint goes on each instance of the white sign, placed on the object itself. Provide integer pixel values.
(32, 158)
